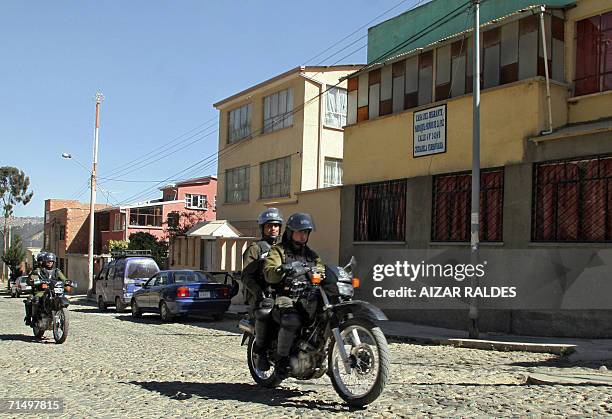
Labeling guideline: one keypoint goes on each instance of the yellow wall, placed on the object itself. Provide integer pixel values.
(324, 207)
(299, 141)
(381, 149)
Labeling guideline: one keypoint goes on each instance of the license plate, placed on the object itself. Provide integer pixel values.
(204, 294)
(59, 290)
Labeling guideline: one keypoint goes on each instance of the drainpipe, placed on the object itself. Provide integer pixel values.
(543, 29)
(320, 133)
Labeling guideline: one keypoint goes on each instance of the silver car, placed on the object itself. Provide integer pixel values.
(20, 286)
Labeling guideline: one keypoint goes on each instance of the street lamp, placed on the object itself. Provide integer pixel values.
(69, 156)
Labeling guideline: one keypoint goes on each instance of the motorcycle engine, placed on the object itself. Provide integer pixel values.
(308, 363)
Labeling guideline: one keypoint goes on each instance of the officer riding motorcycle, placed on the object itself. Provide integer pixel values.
(288, 309)
(270, 222)
(46, 271)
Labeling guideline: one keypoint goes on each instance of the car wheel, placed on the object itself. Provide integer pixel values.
(119, 306)
(101, 304)
(136, 312)
(164, 312)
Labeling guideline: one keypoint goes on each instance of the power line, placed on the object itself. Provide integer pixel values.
(232, 147)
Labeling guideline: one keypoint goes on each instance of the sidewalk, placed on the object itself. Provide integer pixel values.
(573, 349)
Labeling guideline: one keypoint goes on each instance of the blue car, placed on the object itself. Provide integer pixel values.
(181, 293)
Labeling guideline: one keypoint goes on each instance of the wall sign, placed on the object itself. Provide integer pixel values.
(429, 131)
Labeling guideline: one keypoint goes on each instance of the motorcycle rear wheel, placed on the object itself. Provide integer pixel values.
(369, 353)
(60, 326)
(264, 378)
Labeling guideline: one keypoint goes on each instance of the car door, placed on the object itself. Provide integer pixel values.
(144, 295)
(159, 286)
(106, 280)
(118, 280)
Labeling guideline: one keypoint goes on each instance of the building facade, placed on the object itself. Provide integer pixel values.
(184, 202)
(278, 139)
(546, 152)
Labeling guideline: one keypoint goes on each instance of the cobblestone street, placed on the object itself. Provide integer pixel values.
(112, 365)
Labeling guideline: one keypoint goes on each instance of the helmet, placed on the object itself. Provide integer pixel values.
(40, 257)
(271, 215)
(300, 221)
(49, 257)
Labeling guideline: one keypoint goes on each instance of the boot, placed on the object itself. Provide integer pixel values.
(282, 367)
(27, 321)
(261, 359)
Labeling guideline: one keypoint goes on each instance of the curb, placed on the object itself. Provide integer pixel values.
(490, 345)
(570, 380)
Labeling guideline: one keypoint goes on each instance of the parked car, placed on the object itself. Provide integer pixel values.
(183, 292)
(118, 279)
(20, 286)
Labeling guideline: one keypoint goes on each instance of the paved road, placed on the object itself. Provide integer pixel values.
(112, 365)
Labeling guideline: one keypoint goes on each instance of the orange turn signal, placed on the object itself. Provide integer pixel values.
(315, 278)
(356, 282)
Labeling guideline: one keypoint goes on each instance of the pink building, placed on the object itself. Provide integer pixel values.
(188, 201)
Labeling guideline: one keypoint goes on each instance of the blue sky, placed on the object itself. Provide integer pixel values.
(161, 65)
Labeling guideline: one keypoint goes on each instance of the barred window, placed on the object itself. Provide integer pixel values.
(278, 110)
(380, 211)
(452, 195)
(275, 178)
(237, 184)
(239, 125)
(573, 200)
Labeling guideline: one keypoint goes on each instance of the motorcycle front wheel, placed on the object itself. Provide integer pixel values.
(60, 325)
(263, 378)
(38, 333)
(368, 352)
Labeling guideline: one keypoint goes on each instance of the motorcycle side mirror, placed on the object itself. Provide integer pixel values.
(352, 265)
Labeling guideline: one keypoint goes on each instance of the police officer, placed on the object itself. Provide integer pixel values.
(280, 272)
(270, 222)
(46, 272)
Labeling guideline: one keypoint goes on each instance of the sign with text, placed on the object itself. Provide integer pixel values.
(429, 132)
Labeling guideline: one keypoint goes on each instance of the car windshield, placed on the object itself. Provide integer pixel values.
(182, 277)
(143, 268)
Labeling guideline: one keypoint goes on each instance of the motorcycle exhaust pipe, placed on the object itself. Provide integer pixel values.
(246, 326)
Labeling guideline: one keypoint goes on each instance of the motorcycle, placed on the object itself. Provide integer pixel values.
(338, 336)
(52, 313)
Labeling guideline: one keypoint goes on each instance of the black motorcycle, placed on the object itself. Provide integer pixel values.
(359, 366)
(52, 312)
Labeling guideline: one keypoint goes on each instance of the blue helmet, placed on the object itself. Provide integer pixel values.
(271, 215)
(300, 221)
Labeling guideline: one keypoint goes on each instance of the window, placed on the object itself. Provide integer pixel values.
(335, 107)
(117, 222)
(146, 216)
(239, 125)
(452, 195)
(594, 55)
(278, 110)
(333, 172)
(573, 200)
(62, 232)
(195, 201)
(237, 184)
(275, 178)
(173, 219)
(380, 211)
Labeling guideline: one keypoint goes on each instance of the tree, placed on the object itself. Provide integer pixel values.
(181, 223)
(117, 245)
(14, 186)
(14, 255)
(147, 241)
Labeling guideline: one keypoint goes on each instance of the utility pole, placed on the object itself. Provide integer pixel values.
(475, 213)
(92, 197)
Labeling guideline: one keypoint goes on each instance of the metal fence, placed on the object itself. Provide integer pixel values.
(572, 200)
(380, 211)
(451, 206)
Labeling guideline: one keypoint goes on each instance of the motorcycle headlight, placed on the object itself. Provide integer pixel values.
(345, 290)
